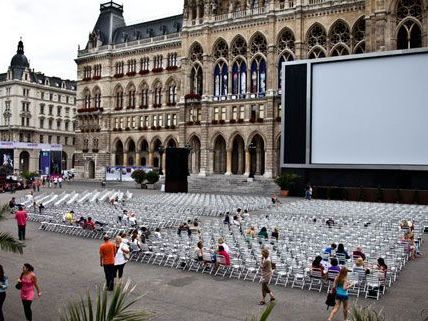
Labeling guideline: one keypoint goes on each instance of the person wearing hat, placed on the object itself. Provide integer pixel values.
(107, 255)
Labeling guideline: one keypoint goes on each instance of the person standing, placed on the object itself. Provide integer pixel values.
(4, 283)
(266, 275)
(341, 286)
(21, 217)
(28, 281)
(107, 255)
(121, 258)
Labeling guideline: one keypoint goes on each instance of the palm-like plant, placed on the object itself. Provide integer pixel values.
(360, 313)
(8, 242)
(115, 307)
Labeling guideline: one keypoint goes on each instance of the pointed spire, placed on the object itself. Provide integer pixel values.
(20, 47)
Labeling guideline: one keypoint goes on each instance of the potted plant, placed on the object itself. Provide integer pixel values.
(139, 176)
(285, 181)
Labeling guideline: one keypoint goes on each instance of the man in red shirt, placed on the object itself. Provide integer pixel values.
(21, 218)
(107, 254)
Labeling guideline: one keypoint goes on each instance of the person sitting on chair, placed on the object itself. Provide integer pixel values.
(90, 225)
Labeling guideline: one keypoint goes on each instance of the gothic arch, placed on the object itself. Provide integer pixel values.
(254, 134)
(258, 44)
(359, 35)
(214, 137)
(169, 139)
(238, 154)
(129, 143)
(195, 154)
(155, 142)
(238, 46)
(119, 152)
(316, 37)
(257, 154)
(220, 49)
(96, 90)
(196, 52)
(140, 142)
(285, 40)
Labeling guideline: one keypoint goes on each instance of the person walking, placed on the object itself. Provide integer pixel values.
(266, 275)
(28, 281)
(4, 283)
(21, 217)
(121, 258)
(107, 255)
(341, 286)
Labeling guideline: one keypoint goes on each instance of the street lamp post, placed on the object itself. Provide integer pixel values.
(252, 149)
(160, 151)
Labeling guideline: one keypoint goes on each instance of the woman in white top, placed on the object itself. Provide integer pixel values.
(122, 256)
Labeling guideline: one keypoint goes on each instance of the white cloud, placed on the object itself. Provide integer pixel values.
(52, 29)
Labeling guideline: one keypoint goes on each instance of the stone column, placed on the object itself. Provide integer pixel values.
(247, 163)
(241, 160)
(125, 159)
(258, 157)
(163, 160)
(228, 162)
(150, 162)
(137, 159)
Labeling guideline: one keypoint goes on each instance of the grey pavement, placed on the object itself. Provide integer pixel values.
(67, 267)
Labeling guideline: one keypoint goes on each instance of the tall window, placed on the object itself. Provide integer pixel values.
(286, 49)
(174, 119)
(359, 36)
(235, 113)
(119, 67)
(97, 70)
(239, 78)
(158, 62)
(172, 93)
(258, 76)
(172, 60)
(132, 66)
(87, 99)
(223, 113)
(409, 17)
(216, 113)
(97, 97)
(157, 95)
(144, 64)
(119, 98)
(131, 97)
(144, 96)
(221, 79)
(196, 75)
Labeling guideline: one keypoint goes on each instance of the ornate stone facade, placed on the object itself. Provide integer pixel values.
(210, 79)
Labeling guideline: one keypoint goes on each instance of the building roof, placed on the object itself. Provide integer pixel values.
(111, 28)
(148, 29)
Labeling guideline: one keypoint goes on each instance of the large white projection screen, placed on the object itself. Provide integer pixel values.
(371, 111)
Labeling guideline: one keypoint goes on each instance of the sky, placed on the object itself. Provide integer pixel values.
(52, 29)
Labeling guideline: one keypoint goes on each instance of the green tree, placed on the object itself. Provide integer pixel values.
(152, 177)
(115, 307)
(138, 176)
(7, 242)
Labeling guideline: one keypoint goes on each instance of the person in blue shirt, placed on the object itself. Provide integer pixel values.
(330, 250)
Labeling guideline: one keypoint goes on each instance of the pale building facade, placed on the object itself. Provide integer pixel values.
(37, 110)
(210, 79)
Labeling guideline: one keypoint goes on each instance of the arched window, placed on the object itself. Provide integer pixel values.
(221, 50)
(239, 78)
(119, 97)
(196, 75)
(221, 79)
(238, 47)
(97, 97)
(258, 76)
(196, 79)
(157, 94)
(316, 41)
(409, 17)
(340, 38)
(258, 44)
(87, 98)
(285, 48)
(172, 93)
(196, 52)
(359, 36)
(131, 97)
(144, 103)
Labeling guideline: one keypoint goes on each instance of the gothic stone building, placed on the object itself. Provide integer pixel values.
(37, 110)
(209, 79)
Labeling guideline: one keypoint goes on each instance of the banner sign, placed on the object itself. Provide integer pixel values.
(22, 145)
(123, 173)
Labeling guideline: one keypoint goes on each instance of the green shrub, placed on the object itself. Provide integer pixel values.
(152, 177)
(138, 176)
(29, 175)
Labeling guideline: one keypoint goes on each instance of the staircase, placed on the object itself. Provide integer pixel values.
(221, 184)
